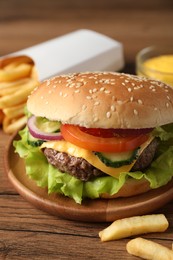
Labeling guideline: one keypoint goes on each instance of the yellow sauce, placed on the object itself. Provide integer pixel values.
(163, 63)
(160, 68)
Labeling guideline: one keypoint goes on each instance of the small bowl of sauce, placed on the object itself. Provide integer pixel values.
(156, 63)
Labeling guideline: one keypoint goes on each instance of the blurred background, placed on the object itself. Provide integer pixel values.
(135, 23)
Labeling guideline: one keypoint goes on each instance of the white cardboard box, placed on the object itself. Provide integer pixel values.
(78, 51)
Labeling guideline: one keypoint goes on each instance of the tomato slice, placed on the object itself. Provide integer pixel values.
(76, 136)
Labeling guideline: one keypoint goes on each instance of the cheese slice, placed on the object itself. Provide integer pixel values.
(89, 156)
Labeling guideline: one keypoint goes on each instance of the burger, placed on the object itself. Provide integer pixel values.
(99, 135)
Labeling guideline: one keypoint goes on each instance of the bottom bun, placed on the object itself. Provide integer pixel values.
(132, 187)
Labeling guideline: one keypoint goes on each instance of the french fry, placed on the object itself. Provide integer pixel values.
(17, 83)
(14, 112)
(21, 71)
(34, 73)
(19, 96)
(10, 127)
(134, 226)
(148, 249)
(12, 66)
(12, 89)
(15, 60)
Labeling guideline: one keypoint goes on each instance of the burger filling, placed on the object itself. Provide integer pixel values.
(83, 170)
(76, 166)
(80, 162)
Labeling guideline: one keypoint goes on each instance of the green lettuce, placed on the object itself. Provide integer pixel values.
(45, 175)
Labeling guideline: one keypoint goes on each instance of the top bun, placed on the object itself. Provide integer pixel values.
(103, 100)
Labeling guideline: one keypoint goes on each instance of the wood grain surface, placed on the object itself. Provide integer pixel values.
(29, 233)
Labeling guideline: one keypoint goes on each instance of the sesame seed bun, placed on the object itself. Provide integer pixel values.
(103, 100)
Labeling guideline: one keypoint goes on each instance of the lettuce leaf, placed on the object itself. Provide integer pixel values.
(45, 175)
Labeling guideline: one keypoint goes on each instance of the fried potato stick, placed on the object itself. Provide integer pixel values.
(21, 71)
(17, 83)
(11, 87)
(10, 127)
(19, 96)
(14, 112)
(134, 226)
(148, 249)
(15, 60)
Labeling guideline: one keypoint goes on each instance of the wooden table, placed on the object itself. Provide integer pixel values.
(29, 233)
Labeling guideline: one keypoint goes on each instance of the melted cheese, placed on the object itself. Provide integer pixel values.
(73, 150)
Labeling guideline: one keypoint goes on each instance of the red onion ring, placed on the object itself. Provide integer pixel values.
(37, 133)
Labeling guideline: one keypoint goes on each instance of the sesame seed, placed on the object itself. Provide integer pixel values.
(84, 107)
(96, 103)
(113, 108)
(77, 91)
(54, 86)
(78, 84)
(46, 102)
(108, 114)
(136, 88)
(95, 119)
(107, 81)
(129, 89)
(167, 104)
(152, 87)
(60, 93)
(50, 91)
(102, 89)
(119, 102)
(94, 90)
(88, 97)
(135, 112)
(70, 85)
(107, 91)
(65, 95)
(131, 99)
(140, 101)
(48, 83)
(41, 97)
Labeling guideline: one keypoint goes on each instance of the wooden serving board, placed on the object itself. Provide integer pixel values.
(99, 210)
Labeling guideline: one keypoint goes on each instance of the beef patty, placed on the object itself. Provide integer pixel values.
(81, 169)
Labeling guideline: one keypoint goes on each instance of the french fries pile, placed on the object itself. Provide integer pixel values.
(18, 78)
(137, 225)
